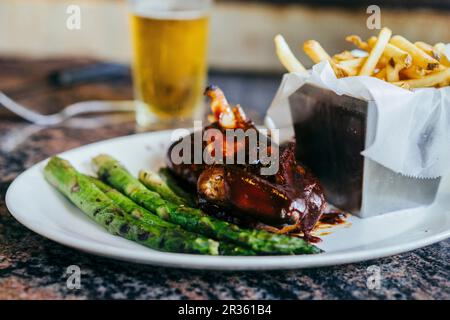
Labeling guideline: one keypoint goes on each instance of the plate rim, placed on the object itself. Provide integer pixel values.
(192, 261)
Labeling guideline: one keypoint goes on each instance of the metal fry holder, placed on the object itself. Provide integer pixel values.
(331, 132)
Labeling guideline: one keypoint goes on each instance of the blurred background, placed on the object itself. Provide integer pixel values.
(35, 44)
(242, 31)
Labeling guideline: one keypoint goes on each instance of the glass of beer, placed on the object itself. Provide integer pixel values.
(169, 40)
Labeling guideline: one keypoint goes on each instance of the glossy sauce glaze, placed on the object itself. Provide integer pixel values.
(289, 200)
(334, 217)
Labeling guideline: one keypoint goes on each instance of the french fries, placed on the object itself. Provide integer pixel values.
(428, 49)
(315, 51)
(392, 52)
(286, 57)
(440, 47)
(389, 58)
(420, 57)
(413, 72)
(317, 54)
(437, 79)
(343, 56)
(356, 40)
(381, 74)
(376, 52)
(354, 63)
(351, 66)
(392, 71)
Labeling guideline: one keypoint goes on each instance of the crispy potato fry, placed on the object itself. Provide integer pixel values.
(428, 49)
(376, 52)
(315, 51)
(444, 84)
(392, 71)
(420, 57)
(350, 67)
(400, 57)
(352, 63)
(381, 74)
(440, 47)
(434, 79)
(403, 85)
(286, 57)
(356, 40)
(371, 42)
(317, 54)
(382, 62)
(413, 72)
(390, 51)
(344, 55)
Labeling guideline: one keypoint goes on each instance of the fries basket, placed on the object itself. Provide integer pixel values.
(331, 132)
(375, 146)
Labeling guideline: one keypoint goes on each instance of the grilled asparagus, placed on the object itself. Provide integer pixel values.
(92, 201)
(146, 217)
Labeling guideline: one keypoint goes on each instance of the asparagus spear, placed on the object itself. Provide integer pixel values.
(91, 200)
(154, 182)
(173, 184)
(130, 207)
(195, 220)
(146, 217)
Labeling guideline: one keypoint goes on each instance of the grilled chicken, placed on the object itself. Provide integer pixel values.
(290, 200)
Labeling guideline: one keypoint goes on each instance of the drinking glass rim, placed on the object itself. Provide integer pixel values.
(163, 9)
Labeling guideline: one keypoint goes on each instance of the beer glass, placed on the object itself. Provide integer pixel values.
(169, 39)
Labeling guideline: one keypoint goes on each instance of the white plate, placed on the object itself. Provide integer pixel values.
(41, 208)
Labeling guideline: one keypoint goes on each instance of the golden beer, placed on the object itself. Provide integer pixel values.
(170, 64)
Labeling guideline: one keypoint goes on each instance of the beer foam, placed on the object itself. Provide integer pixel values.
(169, 10)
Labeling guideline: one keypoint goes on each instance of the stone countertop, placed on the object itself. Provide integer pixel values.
(33, 267)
